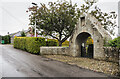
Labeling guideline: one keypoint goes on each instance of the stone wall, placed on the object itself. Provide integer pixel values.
(111, 54)
(54, 50)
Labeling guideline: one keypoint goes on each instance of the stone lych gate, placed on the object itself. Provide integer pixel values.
(86, 27)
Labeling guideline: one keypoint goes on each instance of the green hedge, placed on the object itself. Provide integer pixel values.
(65, 43)
(6, 39)
(51, 43)
(29, 44)
(32, 44)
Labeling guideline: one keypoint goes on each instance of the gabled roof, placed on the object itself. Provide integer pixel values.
(99, 27)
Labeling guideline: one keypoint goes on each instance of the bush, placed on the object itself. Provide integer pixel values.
(23, 34)
(29, 44)
(20, 42)
(54, 40)
(51, 43)
(6, 39)
(66, 43)
(115, 42)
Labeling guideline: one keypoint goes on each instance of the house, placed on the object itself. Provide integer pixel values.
(29, 33)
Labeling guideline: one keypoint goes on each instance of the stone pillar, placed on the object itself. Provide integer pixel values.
(99, 48)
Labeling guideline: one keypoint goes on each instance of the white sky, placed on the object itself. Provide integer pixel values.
(13, 16)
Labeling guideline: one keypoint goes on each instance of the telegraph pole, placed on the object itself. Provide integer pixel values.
(35, 19)
(35, 27)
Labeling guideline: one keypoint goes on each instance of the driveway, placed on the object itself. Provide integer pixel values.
(18, 63)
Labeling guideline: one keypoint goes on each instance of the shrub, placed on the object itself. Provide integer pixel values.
(29, 44)
(66, 43)
(115, 42)
(6, 39)
(51, 43)
(53, 40)
(23, 34)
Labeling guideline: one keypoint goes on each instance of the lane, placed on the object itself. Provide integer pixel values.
(18, 63)
(0, 61)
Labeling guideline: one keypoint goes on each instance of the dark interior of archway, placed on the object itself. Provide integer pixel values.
(85, 49)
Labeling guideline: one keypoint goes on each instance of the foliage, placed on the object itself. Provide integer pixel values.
(65, 43)
(0, 38)
(51, 43)
(23, 34)
(32, 31)
(57, 21)
(115, 42)
(30, 44)
(108, 20)
(7, 39)
(89, 41)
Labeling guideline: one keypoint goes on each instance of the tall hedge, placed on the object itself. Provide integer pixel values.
(6, 39)
(29, 44)
(32, 44)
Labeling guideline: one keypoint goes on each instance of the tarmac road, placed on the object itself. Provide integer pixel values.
(18, 63)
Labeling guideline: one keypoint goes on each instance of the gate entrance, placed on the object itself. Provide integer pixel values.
(87, 51)
(85, 45)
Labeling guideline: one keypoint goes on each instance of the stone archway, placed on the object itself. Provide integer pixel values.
(84, 49)
(89, 26)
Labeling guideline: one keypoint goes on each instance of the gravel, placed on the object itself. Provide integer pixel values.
(106, 67)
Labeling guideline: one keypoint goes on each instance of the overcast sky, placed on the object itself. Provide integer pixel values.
(13, 16)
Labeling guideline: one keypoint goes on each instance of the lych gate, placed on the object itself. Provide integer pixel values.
(88, 26)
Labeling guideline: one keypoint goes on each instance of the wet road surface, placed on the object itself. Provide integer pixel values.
(18, 63)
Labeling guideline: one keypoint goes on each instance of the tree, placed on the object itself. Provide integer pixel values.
(57, 21)
(23, 34)
(31, 30)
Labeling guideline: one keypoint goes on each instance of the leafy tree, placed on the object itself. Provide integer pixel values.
(57, 21)
(31, 31)
(23, 34)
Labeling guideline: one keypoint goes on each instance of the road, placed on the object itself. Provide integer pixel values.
(18, 63)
